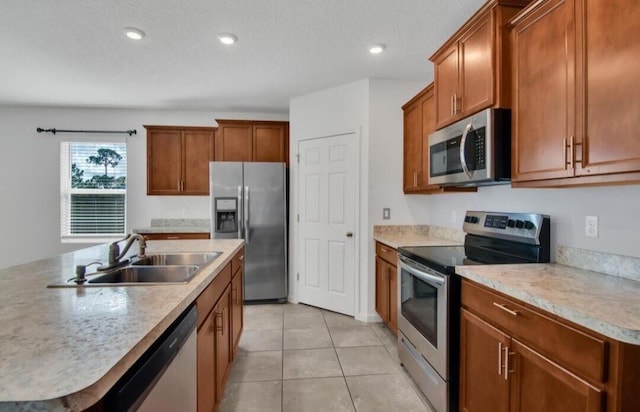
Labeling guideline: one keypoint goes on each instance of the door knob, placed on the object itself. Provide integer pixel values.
(349, 234)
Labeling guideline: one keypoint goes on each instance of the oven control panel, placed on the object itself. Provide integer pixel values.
(519, 227)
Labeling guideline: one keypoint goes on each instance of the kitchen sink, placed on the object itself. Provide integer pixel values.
(147, 274)
(197, 259)
(157, 269)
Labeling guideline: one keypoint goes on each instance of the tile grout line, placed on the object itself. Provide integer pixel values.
(335, 350)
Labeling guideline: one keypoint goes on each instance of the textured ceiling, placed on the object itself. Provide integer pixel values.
(74, 52)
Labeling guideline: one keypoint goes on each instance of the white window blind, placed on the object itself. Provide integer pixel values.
(93, 188)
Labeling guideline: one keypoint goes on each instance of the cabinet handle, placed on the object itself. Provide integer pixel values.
(221, 327)
(241, 258)
(499, 358)
(383, 250)
(234, 291)
(505, 308)
(415, 178)
(455, 103)
(452, 105)
(173, 237)
(572, 152)
(506, 362)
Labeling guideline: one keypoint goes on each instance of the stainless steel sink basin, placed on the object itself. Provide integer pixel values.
(158, 269)
(197, 259)
(147, 274)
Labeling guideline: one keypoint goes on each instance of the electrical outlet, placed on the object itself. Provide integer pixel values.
(591, 226)
(386, 213)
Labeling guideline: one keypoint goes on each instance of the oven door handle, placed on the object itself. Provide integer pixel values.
(463, 144)
(426, 277)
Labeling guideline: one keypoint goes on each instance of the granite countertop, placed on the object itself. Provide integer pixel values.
(402, 236)
(64, 348)
(176, 226)
(606, 304)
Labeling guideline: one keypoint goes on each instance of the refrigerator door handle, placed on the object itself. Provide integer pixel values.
(247, 227)
(239, 206)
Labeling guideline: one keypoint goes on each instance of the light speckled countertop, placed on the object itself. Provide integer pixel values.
(418, 235)
(606, 304)
(176, 226)
(64, 348)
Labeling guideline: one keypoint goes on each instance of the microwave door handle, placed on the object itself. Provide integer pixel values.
(463, 143)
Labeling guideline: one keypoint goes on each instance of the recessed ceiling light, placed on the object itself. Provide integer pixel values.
(377, 48)
(133, 33)
(227, 38)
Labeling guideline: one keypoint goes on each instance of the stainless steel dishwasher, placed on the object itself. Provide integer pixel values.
(164, 378)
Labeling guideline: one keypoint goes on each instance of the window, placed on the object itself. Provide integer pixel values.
(93, 189)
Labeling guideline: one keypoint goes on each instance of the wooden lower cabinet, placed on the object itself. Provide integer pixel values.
(222, 313)
(387, 285)
(218, 334)
(502, 369)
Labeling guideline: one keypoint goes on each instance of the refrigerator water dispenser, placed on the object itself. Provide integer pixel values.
(226, 214)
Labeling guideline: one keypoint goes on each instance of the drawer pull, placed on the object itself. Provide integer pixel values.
(173, 237)
(241, 258)
(506, 309)
(383, 250)
(499, 358)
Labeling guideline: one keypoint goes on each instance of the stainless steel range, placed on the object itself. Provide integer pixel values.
(429, 294)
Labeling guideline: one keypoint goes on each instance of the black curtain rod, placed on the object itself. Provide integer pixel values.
(54, 131)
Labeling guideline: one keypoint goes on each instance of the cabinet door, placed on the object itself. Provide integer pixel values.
(540, 384)
(477, 66)
(269, 143)
(197, 153)
(206, 365)
(223, 341)
(483, 386)
(412, 146)
(164, 160)
(446, 86)
(382, 289)
(234, 142)
(611, 86)
(543, 49)
(236, 309)
(393, 299)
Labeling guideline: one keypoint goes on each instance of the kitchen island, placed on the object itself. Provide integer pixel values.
(64, 348)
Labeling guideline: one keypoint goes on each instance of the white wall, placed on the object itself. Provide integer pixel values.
(30, 173)
(616, 207)
(373, 107)
(333, 111)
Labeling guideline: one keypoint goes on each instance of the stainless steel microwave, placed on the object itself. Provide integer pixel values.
(475, 151)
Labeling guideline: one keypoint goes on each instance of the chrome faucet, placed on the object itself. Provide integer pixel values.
(114, 250)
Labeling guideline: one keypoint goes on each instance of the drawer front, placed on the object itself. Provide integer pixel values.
(175, 236)
(580, 352)
(387, 253)
(212, 293)
(236, 262)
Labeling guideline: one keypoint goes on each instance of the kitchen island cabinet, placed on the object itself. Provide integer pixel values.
(74, 322)
(576, 93)
(178, 159)
(472, 69)
(252, 141)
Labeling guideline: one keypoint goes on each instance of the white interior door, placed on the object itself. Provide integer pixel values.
(327, 201)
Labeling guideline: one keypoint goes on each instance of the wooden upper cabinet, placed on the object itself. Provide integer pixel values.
(252, 141)
(576, 94)
(178, 159)
(543, 111)
(472, 67)
(609, 87)
(419, 123)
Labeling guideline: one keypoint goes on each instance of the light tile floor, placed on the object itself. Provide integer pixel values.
(296, 358)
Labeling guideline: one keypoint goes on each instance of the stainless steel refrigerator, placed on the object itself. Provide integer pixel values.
(249, 201)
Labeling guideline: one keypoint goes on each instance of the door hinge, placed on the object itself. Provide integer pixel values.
(298, 217)
(298, 157)
(298, 276)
